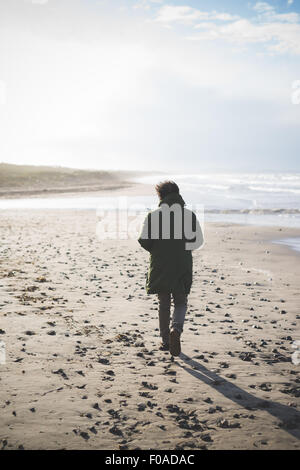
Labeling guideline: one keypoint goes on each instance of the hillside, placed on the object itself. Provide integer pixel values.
(19, 180)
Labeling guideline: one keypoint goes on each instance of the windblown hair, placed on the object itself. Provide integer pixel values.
(166, 187)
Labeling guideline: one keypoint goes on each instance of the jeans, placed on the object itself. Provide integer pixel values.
(164, 310)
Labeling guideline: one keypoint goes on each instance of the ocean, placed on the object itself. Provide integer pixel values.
(241, 193)
(271, 199)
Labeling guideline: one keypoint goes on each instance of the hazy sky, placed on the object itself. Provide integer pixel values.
(183, 85)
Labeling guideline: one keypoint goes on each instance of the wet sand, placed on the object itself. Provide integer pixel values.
(83, 367)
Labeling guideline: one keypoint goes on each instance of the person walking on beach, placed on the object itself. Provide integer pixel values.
(169, 234)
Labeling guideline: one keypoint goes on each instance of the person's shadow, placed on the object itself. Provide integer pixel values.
(289, 417)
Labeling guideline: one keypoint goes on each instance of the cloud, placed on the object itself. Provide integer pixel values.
(268, 13)
(187, 15)
(277, 37)
(179, 14)
(92, 86)
(278, 33)
(146, 4)
(263, 7)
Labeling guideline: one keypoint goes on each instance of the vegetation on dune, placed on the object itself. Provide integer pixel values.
(22, 176)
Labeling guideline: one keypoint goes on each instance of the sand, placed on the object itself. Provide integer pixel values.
(83, 367)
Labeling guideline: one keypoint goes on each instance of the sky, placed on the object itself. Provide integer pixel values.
(180, 85)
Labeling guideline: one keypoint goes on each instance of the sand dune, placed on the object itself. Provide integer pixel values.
(29, 180)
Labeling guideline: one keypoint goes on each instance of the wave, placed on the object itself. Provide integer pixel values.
(254, 211)
(234, 183)
(293, 243)
(275, 189)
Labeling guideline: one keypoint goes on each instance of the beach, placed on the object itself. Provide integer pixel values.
(134, 126)
(83, 368)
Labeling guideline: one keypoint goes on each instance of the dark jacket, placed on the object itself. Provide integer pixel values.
(171, 263)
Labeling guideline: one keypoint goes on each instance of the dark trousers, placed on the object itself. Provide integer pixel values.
(164, 312)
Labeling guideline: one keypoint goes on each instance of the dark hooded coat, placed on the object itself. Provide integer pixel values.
(171, 264)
